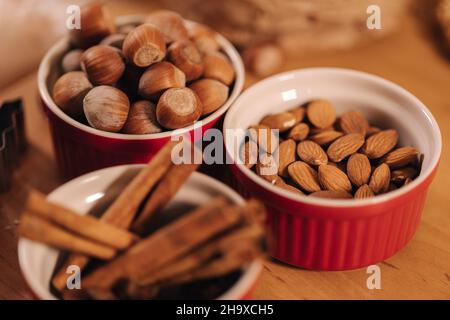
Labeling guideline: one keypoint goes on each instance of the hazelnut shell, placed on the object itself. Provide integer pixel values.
(69, 91)
(178, 108)
(212, 94)
(159, 77)
(103, 64)
(144, 45)
(106, 108)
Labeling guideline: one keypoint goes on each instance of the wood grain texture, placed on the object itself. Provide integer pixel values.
(410, 58)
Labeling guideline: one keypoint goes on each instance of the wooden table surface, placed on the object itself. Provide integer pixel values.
(421, 270)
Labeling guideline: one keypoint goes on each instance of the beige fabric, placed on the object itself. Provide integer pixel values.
(27, 29)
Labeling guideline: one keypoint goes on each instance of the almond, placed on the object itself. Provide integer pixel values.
(345, 146)
(311, 153)
(364, 192)
(400, 175)
(381, 176)
(378, 144)
(359, 169)
(299, 132)
(353, 122)
(282, 121)
(283, 185)
(299, 114)
(286, 156)
(267, 168)
(331, 194)
(331, 178)
(321, 113)
(249, 153)
(401, 157)
(264, 137)
(304, 176)
(326, 137)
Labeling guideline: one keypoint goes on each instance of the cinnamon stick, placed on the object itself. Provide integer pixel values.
(235, 259)
(165, 190)
(122, 211)
(167, 244)
(197, 258)
(38, 229)
(86, 225)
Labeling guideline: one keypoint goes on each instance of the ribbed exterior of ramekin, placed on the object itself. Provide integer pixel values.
(336, 238)
(79, 152)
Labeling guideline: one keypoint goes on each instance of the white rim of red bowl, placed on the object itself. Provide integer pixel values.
(61, 45)
(238, 290)
(341, 203)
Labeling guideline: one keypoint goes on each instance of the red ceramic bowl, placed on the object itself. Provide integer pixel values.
(80, 148)
(327, 234)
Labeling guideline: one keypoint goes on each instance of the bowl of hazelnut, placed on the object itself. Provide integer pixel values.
(115, 93)
(342, 161)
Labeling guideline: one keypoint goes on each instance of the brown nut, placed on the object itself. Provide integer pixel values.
(170, 23)
(204, 38)
(95, 25)
(69, 91)
(106, 108)
(178, 108)
(218, 67)
(114, 40)
(103, 64)
(144, 45)
(142, 119)
(187, 58)
(212, 93)
(282, 121)
(160, 77)
(263, 59)
(72, 60)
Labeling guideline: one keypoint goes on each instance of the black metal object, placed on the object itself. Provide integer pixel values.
(12, 140)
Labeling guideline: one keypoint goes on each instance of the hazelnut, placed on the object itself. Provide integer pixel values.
(142, 119)
(114, 40)
(187, 58)
(170, 23)
(159, 77)
(103, 64)
(69, 91)
(106, 108)
(263, 59)
(178, 108)
(144, 45)
(212, 94)
(71, 60)
(218, 67)
(204, 38)
(95, 25)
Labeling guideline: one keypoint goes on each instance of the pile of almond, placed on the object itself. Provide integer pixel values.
(322, 155)
(142, 78)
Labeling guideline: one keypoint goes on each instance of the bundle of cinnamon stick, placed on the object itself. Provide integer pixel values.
(207, 242)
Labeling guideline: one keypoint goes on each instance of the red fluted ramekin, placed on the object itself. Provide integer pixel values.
(328, 234)
(80, 148)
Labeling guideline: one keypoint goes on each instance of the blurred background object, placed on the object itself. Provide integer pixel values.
(298, 26)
